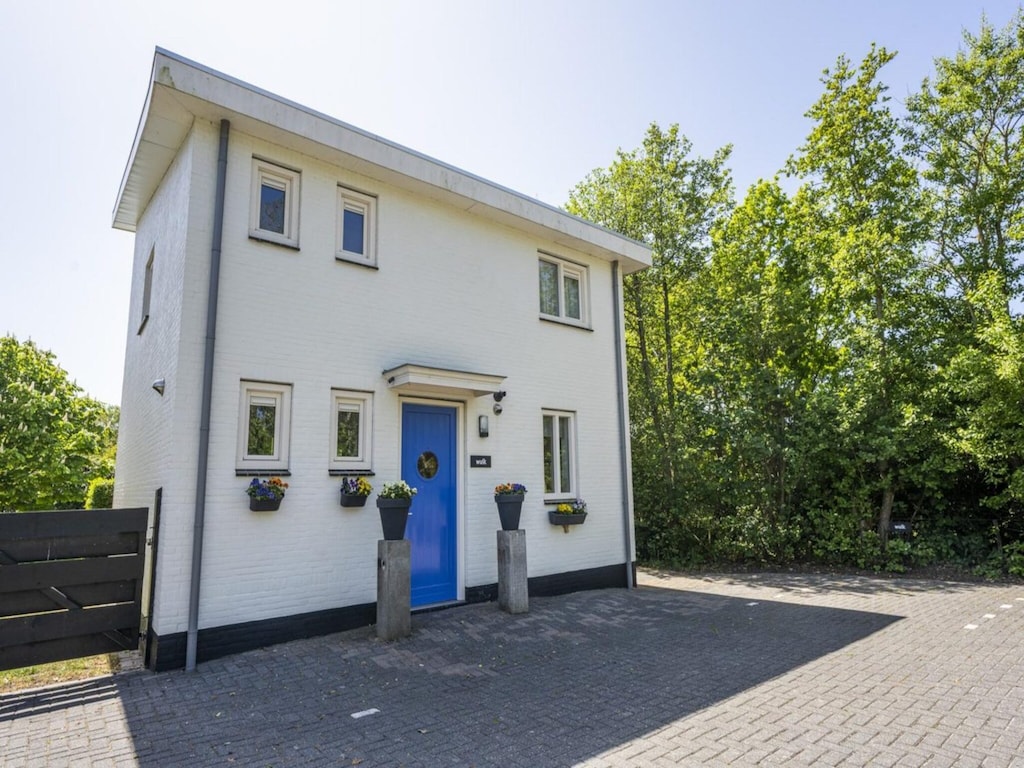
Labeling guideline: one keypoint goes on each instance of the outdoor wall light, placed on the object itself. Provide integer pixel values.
(483, 426)
(159, 385)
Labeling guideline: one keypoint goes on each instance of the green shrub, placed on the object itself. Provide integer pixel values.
(897, 552)
(1008, 561)
(100, 494)
(1014, 558)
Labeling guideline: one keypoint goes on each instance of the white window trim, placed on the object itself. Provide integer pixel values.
(582, 275)
(562, 493)
(277, 176)
(367, 205)
(282, 395)
(363, 401)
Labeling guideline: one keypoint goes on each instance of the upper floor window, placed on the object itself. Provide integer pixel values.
(356, 227)
(351, 429)
(147, 290)
(264, 423)
(559, 451)
(275, 203)
(563, 291)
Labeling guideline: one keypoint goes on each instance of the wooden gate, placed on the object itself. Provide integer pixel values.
(70, 583)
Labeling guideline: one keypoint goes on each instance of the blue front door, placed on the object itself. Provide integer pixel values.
(428, 464)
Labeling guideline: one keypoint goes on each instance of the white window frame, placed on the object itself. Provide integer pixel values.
(559, 492)
(147, 289)
(281, 395)
(367, 206)
(577, 272)
(287, 179)
(362, 403)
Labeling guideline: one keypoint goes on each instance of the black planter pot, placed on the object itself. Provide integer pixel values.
(566, 520)
(510, 507)
(394, 513)
(352, 500)
(264, 505)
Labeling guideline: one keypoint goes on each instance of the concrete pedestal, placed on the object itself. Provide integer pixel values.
(394, 619)
(513, 596)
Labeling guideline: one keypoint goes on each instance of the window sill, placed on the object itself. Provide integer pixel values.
(269, 237)
(563, 321)
(357, 262)
(262, 473)
(351, 472)
(560, 500)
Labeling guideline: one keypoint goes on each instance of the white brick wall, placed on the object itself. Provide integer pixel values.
(451, 291)
(149, 454)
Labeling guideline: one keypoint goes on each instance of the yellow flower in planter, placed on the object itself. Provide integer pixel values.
(575, 507)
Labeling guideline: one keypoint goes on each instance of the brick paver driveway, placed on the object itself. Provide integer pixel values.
(724, 670)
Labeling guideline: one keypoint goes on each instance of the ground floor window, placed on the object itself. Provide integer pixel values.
(351, 429)
(263, 426)
(559, 450)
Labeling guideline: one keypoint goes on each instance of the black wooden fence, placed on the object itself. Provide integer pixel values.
(70, 583)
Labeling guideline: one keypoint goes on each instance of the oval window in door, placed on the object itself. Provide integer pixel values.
(426, 465)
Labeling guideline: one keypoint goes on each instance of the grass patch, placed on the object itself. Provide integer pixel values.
(58, 672)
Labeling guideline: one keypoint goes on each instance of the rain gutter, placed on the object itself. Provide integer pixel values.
(620, 383)
(192, 636)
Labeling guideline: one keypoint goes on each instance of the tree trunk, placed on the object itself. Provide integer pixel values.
(670, 368)
(650, 389)
(888, 497)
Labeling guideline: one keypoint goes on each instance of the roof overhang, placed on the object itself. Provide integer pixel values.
(421, 379)
(182, 91)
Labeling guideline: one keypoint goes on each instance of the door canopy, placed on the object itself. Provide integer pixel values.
(420, 379)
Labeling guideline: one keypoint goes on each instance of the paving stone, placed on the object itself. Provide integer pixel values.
(753, 669)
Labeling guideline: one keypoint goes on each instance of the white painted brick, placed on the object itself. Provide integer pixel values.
(452, 290)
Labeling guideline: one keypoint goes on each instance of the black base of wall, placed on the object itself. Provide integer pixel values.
(605, 577)
(168, 652)
(484, 593)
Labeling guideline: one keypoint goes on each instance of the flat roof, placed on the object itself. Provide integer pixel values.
(181, 91)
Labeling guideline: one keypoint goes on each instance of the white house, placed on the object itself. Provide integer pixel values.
(369, 309)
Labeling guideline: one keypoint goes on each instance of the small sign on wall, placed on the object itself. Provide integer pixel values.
(476, 462)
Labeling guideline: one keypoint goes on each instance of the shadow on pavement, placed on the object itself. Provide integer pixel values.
(576, 676)
(54, 698)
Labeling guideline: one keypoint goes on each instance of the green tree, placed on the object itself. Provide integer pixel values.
(52, 439)
(803, 368)
(664, 196)
(874, 289)
(967, 126)
(761, 320)
(100, 494)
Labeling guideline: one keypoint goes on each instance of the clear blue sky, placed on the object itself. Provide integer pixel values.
(532, 94)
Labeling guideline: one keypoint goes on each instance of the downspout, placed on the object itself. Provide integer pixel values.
(620, 378)
(204, 418)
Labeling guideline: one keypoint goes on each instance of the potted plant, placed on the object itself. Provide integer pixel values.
(393, 503)
(266, 495)
(354, 491)
(568, 513)
(509, 498)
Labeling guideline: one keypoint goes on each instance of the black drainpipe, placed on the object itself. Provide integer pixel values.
(204, 418)
(623, 424)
